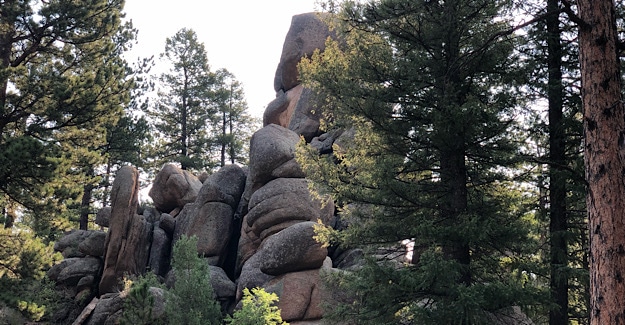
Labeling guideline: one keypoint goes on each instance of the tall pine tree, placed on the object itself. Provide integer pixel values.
(62, 79)
(185, 106)
(234, 127)
(604, 142)
(427, 89)
(556, 131)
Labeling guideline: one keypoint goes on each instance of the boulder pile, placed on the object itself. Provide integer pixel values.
(255, 225)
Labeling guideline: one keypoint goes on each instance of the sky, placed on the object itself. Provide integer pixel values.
(243, 36)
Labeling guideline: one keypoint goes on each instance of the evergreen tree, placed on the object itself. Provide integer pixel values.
(191, 300)
(185, 107)
(235, 126)
(428, 90)
(61, 80)
(553, 67)
(604, 122)
(24, 260)
(139, 301)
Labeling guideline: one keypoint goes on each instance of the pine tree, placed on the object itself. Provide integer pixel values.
(191, 300)
(553, 66)
(62, 79)
(235, 126)
(604, 122)
(185, 107)
(428, 90)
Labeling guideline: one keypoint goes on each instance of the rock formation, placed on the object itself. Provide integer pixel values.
(255, 225)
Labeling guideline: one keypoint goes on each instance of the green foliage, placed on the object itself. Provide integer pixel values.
(257, 309)
(23, 262)
(62, 79)
(139, 302)
(184, 106)
(233, 126)
(191, 300)
(201, 116)
(426, 96)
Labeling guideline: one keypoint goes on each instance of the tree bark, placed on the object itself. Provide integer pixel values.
(223, 138)
(604, 132)
(85, 207)
(558, 226)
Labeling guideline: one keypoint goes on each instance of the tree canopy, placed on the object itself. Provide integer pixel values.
(429, 93)
(200, 115)
(62, 80)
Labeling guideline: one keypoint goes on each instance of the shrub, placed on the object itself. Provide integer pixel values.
(257, 309)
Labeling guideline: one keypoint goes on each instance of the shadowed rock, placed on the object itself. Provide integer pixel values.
(80, 243)
(129, 236)
(173, 188)
(71, 270)
(211, 218)
(292, 249)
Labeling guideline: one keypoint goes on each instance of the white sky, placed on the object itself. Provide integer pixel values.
(243, 36)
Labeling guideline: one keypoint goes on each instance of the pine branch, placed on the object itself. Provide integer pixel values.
(572, 15)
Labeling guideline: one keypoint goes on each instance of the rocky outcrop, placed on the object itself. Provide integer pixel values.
(81, 243)
(255, 226)
(307, 33)
(294, 107)
(129, 236)
(210, 218)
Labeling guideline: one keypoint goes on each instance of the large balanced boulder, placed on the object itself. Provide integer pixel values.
(272, 155)
(173, 188)
(307, 33)
(129, 235)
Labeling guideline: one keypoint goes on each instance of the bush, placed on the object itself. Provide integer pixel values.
(257, 309)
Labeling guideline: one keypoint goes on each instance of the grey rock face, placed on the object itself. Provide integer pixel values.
(292, 249)
(211, 217)
(129, 236)
(307, 33)
(80, 243)
(173, 188)
(71, 270)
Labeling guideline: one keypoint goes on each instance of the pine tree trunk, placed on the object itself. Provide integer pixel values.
(223, 139)
(453, 176)
(557, 178)
(84, 206)
(604, 131)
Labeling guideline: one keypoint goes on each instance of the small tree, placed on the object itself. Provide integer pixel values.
(191, 299)
(139, 303)
(258, 309)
